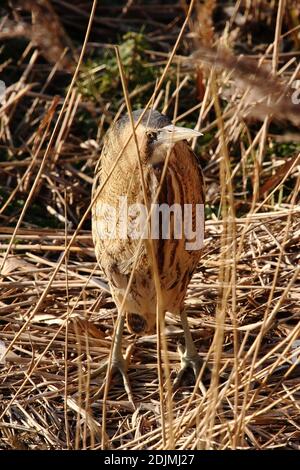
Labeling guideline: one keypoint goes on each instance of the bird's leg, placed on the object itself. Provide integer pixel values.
(118, 362)
(189, 356)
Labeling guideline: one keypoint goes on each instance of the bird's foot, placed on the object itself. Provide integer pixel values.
(188, 362)
(119, 364)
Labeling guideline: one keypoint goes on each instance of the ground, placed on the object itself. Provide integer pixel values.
(56, 313)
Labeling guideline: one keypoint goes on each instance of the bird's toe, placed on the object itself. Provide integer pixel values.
(119, 365)
(188, 363)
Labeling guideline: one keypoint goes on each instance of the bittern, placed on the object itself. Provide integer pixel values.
(165, 171)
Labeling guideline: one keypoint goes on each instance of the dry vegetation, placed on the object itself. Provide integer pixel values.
(56, 312)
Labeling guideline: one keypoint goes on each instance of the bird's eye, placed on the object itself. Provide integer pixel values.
(151, 136)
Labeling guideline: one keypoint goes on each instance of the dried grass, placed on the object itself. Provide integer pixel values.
(56, 313)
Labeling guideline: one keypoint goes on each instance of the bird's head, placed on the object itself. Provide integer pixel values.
(160, 141)
(155, 134)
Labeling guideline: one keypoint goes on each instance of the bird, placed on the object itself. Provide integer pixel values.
(156, 170)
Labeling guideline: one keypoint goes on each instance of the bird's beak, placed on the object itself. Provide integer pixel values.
(171, 134)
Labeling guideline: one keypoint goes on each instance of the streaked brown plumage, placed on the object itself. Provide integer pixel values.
(183, 184)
